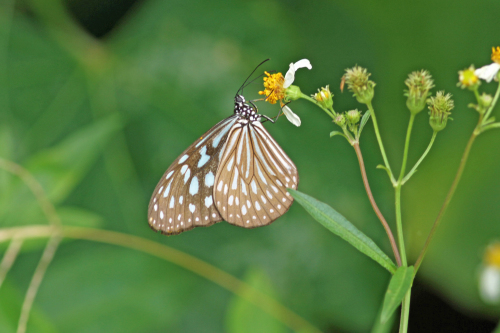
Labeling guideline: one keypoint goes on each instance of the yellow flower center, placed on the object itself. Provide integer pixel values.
(492, 255)
(495, 54)
(467, 77)
(273, 87)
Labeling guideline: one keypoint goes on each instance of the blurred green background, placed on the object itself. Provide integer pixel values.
(97, 98)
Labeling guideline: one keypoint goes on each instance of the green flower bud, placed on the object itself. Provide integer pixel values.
(485, 100)
(418, 83)
(324, 97)
(340, 120)
(358, 82)
(292, 93)
(353, 117)
(440, 108)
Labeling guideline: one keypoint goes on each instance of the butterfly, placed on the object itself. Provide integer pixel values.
(235, 172)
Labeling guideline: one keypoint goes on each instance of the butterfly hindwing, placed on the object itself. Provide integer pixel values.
(183, 199)
(253, 175)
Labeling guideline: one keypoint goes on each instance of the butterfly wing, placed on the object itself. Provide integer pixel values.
(183, 199)
(253, 175)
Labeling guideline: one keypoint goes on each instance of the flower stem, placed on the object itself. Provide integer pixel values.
(379, 139)
(412, 171)
(374, 204)
(399, 224)
(446, 202)
(331, 112)
(493, 103)
(405, 313)
(407, 145)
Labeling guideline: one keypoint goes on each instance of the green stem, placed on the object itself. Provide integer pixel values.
(312, 100)
(405, 313)
(407, 145)
(399, 225)
(453, 187)
(493, 103)
(412, 171)
(374, 204)
(379, 139)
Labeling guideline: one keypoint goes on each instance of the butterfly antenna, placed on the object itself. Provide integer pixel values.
(244, 83)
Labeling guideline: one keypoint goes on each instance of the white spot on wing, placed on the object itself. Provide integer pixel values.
(183, 158)
(172, 202)
(254, 186)
(193, 188)
(186, 176)
(209, 179)
(230, 200)
(257, 206)
(181, 199)
(208, 201)
(184, 168)
(169, 174)
(235, 179)
(204, 157)
(219, 187)
(192, 208)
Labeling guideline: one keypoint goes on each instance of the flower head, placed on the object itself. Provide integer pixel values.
(419, 83)
(357, 79)
(324, 97)
(468, 78)
(489, 72)
(489, 284)
(279, 88)
(440, 108)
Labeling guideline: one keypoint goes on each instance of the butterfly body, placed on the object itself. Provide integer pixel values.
(235, 172)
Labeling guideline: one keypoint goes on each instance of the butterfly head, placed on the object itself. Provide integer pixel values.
(245, 110)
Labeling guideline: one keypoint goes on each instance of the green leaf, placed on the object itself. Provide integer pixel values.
(61, 168)
(386, 327)
(333, 133)
(243, 316)
(362, 124)
(400, 283)
(497, 330)
(340, 226)
(80, 217)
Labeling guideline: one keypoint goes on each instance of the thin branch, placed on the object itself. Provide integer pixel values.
(186, 261)
(36, 280)
(9, 258)
(374, 204)
(446, 202)
(35, 187)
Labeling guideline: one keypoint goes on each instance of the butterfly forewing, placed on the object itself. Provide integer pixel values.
(253, 175)
(183, 199)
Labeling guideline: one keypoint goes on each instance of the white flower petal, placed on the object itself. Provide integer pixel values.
(290, 75)
(489, 284)
(487, 72)
(292, 117)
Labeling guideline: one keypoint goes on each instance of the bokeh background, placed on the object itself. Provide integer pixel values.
(97, 98)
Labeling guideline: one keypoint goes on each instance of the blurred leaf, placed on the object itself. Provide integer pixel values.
(340, 226)
(400, 282)
(387, 326)
(11, 299)
(497, 330)
(244, 317)
(80, 217)
(61, 168)
(365, 118)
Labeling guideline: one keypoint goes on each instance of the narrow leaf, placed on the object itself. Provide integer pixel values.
(400, 282)
(365, 118)
(333, 133)
(340, 226)
(387, 326)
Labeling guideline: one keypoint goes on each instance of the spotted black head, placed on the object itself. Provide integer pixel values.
(245, 110)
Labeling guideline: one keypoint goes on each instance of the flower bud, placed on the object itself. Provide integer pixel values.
(358, 82)
(440, 108)
(468, 78)
(353, 116)
(418, 83)
(324, 97)
(340, 120)
(292, 93)
(485, 100)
